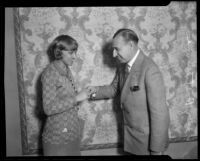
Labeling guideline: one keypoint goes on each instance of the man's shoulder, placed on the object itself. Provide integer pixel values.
(150, 63)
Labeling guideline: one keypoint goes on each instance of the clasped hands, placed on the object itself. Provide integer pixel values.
(85, 93)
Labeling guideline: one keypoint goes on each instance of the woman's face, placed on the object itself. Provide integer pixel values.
(68, 57)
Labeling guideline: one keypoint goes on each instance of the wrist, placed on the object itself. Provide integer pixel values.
(93, 95)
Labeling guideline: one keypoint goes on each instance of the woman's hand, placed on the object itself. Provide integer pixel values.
(82, 95)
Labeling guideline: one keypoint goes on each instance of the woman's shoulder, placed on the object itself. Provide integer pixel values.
(49, 70)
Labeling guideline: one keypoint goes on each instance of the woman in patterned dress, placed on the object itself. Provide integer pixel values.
(61, 135)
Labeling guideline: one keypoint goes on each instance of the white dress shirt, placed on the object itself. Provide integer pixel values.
(131, 62)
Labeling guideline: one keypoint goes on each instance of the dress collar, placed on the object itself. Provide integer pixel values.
(61, 67)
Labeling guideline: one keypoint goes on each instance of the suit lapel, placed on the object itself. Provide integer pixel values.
(133, 77)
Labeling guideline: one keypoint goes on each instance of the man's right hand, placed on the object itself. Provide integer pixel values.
(91, 89)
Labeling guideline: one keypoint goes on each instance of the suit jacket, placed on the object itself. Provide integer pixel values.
(62, 124)
(143, 102)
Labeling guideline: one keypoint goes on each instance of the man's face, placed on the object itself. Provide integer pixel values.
(123, 50)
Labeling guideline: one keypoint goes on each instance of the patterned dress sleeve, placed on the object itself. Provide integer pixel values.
(52, 103)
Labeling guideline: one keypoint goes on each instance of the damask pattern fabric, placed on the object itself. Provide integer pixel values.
(167, 34)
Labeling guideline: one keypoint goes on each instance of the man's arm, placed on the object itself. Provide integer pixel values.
(159, 114)
(106, 91)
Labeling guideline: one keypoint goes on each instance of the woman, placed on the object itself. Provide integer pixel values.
(61, 135)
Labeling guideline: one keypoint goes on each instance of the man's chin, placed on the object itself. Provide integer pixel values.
(121, 61)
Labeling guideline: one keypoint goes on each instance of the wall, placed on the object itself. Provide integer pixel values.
(13, 131)
(167, 35)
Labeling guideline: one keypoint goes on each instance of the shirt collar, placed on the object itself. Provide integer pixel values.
(131, 62)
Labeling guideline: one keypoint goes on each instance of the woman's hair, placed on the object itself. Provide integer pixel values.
(127, 34)
(61, 42)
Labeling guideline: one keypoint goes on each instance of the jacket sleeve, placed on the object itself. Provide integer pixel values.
(159, 114)
(52, 102)
(109, 91)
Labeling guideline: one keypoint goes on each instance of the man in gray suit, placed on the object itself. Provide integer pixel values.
(142, 96)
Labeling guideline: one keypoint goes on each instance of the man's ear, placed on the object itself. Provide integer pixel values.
(132, 43)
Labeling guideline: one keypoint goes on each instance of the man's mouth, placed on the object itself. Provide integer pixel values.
(119, 58)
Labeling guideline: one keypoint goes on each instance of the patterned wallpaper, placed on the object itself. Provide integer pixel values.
(167, 35)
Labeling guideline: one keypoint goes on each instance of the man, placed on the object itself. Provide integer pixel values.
(142, 96)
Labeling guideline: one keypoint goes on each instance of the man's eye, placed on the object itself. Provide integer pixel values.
(116, 49)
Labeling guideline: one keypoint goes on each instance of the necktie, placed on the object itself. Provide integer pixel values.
(126, 72)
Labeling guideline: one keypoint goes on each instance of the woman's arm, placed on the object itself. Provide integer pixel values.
(52, 102)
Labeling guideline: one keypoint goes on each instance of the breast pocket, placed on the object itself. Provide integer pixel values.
(61, 89)
(60, 82)
(58, 87)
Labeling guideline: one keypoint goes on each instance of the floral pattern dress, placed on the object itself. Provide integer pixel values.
(62, 124)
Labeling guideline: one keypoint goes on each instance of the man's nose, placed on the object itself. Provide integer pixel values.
(114, 53)
(74, 55)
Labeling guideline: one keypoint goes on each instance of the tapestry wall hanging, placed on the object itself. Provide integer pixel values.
(168, 34)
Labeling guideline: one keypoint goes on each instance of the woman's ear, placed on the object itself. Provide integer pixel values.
(58, 54)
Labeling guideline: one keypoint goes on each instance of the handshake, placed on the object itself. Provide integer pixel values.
(86, 93)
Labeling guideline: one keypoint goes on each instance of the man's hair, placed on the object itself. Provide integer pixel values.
(127, 34)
